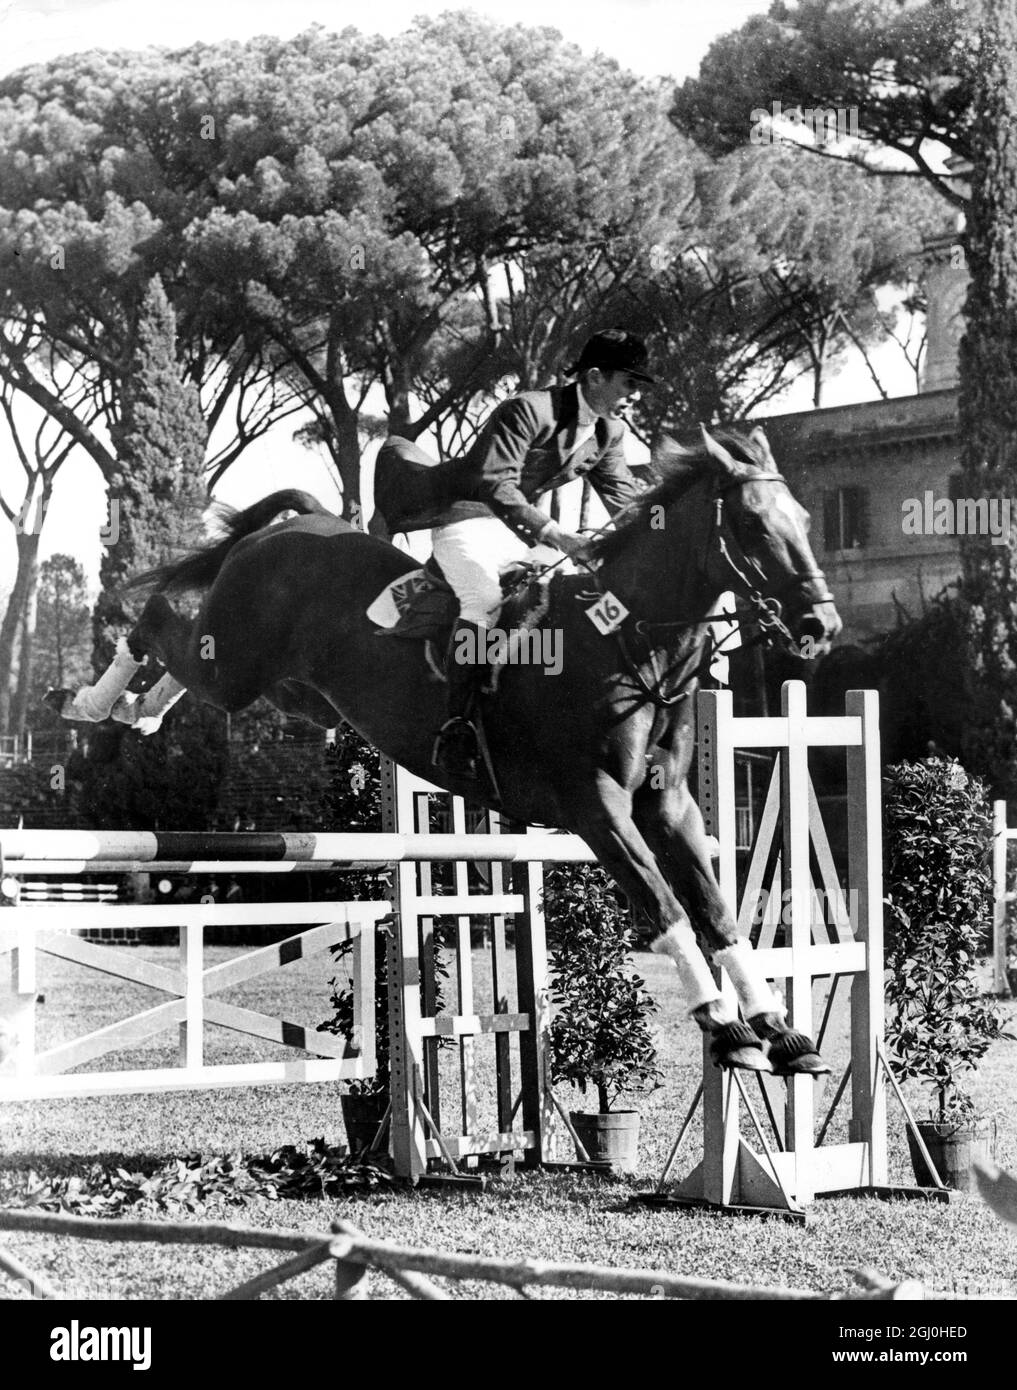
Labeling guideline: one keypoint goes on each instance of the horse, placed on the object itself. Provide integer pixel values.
(601, 748)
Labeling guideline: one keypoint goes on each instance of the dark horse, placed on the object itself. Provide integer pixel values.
(602, 749)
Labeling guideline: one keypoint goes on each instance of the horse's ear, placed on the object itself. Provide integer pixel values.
(715, 448)
(759, 438)
(721, 457)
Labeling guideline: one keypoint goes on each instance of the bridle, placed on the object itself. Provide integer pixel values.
(766, 611)
(811, 584)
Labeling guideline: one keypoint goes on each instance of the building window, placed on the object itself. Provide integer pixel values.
(846, 518)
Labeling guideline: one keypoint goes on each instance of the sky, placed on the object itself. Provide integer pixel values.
(650, 37)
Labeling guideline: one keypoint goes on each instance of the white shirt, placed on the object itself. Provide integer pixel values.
(586, 423)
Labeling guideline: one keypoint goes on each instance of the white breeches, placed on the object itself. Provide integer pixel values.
(472, 555)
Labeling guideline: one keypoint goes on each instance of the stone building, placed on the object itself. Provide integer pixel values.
(861, 469)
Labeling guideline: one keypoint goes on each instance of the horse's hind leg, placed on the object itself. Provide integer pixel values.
(93, 703)
(159, 632)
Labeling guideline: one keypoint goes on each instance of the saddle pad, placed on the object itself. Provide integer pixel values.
(396, 598)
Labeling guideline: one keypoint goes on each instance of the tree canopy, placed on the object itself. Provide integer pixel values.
(905, 68)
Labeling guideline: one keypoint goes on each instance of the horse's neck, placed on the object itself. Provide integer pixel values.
(659, 574)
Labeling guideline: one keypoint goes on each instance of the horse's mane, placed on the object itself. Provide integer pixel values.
(677, 469)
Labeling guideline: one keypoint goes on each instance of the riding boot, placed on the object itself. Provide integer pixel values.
(457, 748)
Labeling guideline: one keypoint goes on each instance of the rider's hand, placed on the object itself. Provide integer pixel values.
(576, 547)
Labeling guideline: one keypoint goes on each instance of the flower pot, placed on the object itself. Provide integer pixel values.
(611, 1137)
(953, 1148)
(361, 1116)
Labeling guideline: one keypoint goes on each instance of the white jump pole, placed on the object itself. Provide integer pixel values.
(1001, 897)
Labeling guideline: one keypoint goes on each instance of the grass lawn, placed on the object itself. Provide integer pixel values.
(959, 1248)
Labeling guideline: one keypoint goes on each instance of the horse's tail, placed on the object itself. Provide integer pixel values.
(197, 570)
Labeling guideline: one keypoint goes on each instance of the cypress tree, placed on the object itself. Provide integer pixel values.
(170, 779)
(988, 401)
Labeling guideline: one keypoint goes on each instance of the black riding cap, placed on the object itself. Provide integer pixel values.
(615, 350)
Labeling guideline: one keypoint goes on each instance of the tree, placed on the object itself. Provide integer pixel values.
(914, 75)
(39, 462)
(171, 778)
(156, 488)
(317, 208)
(100, 177)
(63, 636)
(903, 74)
(988, 402)
(463, 150)
(94, 194)
(775, 272)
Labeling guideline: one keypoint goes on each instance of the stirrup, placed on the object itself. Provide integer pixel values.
(469, 767)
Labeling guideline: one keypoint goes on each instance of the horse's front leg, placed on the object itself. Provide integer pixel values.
(672, 825)
(604, 820)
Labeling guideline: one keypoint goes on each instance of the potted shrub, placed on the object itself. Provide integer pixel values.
(352, 801)
(363, 1102)
(600, 1037)
(937, 845)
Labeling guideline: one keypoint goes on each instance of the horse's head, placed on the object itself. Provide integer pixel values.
(742, 530)
(759, 546)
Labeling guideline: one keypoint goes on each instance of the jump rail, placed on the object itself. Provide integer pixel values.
(432, 878)
(411, 1269)
(36, 851)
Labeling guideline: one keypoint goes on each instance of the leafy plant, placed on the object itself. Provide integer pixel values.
(937, 842)
(351, 802)
(600, 1035)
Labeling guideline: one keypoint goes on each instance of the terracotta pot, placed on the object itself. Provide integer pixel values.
(953, 1149)
(611, 1137)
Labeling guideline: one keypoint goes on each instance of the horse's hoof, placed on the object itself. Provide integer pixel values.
(807, 1064)
(745, 1059)
(736, 1045)
(790, 1053)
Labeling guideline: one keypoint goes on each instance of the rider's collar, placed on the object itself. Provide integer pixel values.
(587, 415)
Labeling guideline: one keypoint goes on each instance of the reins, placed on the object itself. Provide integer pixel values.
(766, 614)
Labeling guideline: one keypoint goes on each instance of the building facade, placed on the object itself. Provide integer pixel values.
(863, 471)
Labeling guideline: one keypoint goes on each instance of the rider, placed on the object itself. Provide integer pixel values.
(532, 443)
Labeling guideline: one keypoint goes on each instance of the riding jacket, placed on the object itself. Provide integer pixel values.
(525, 449)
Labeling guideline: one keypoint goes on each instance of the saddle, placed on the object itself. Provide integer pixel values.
(422, 605)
